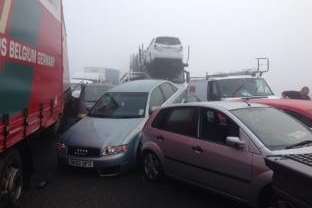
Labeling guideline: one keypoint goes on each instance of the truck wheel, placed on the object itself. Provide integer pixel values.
(12, 177)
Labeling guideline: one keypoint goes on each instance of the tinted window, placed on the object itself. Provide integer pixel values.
(120, 105)
(168, 90)
(160, 119)
(216, 126)
(168, 41)
(182, 121)
(157, 98)
(274, 128)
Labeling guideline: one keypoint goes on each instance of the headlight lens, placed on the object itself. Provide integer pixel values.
(113, 150)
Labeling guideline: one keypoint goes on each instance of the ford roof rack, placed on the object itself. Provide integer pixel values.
(246, 72)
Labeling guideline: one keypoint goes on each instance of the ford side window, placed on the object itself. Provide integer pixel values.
(159, 120)
(182, 120)
(216, 126)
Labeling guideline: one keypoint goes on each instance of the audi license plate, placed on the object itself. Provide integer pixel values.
(81, 163)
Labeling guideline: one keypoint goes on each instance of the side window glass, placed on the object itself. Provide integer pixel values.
(216, 126)
(157, 98)
(168, 90)
(158, 122)
(181, 98)
(213, 91)
(182, 121)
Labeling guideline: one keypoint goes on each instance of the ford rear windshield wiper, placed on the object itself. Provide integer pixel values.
(305, 142)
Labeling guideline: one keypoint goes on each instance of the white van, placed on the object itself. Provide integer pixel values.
(215, 88)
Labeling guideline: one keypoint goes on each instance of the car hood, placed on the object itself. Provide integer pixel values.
(299, 150)
(101, 132)
(240, 98)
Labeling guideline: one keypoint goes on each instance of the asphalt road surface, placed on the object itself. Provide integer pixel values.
(76, 188)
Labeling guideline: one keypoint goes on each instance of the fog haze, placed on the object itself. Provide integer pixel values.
(224, 35)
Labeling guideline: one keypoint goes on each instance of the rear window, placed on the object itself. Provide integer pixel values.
(168, 41)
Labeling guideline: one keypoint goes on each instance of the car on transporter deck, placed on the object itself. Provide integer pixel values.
(108, 138)
(221, 146)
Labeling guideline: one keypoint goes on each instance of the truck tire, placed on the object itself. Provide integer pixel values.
(11, 178)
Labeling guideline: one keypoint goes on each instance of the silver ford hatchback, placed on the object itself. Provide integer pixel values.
(221, 146)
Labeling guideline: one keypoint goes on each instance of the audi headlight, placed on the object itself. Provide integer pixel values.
(114, 150)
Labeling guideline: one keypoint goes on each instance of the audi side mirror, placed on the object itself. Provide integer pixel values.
(235, 142)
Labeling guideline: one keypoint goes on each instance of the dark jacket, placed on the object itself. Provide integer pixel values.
(295, 95)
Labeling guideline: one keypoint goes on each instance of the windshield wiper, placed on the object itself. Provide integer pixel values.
(305, 142)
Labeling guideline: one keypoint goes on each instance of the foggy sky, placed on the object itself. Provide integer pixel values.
(224, 35)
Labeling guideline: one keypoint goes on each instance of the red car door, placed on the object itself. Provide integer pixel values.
(221, 166)
(176, 136)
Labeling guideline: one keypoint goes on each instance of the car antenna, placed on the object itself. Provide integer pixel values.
(246, 100)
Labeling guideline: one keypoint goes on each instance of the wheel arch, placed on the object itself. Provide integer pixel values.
(154, 148)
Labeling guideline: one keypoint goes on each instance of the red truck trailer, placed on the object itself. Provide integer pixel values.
(33, 80)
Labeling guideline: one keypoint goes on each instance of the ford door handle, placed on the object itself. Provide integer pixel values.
(197, 149)
(160, 138)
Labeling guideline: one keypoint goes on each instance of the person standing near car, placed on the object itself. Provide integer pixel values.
(305, 91)
(303, 94)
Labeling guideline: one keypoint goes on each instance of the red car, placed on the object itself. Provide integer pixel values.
(300, 109)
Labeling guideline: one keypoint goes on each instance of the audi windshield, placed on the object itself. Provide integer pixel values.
(120, 105)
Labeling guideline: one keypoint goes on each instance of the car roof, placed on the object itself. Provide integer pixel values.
(234, 77)
(138, 86)
(300, 106)
(167, 37)
(222, 105)
(226, 78)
